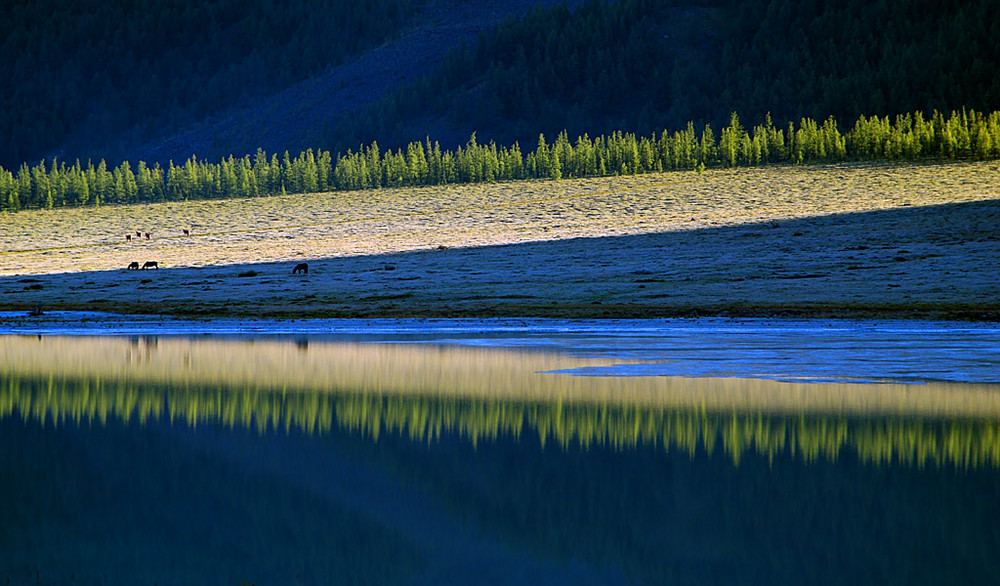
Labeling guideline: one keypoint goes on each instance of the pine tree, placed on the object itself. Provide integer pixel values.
(228, 181)
(707, 150)
(541, 158)
(127, 188)
(416, 164)
(372, 176)
(731, 148)
(324, 167)
(41, 194)
(13, 199)
(834, 145)
(261, 172)
(80, 188)
(562, 154)
(277, 181)
(9, 200)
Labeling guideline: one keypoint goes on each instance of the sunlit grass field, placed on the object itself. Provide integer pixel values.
(754, 237)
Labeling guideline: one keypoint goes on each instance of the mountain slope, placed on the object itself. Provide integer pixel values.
(163, 80)
(300, 116)
(167, 79)
(645, 65)
(84, 78)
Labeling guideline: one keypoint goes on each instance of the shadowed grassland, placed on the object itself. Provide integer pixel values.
(853, 240)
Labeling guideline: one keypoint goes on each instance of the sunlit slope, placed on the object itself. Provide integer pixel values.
(841, 235)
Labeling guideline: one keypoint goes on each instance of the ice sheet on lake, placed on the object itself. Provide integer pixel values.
(784, 350)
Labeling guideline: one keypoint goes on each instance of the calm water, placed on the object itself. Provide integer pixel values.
(708, 452)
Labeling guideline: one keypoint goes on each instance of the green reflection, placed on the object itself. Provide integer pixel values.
(422, 391)
(964, 442)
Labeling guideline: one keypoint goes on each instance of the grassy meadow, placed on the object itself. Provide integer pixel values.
(901, 240)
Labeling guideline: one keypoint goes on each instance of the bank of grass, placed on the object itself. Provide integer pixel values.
(837, 240)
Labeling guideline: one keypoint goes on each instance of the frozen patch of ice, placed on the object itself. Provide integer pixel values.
(783, 350)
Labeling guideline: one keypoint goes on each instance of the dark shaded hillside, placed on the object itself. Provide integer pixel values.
(87, 76)
(168, 79)
(302, 115)
(645, 65)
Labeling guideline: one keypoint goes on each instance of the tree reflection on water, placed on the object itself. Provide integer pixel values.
(177, 460)
(421, 391)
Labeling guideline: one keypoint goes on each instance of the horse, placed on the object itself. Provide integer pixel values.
(147, 235)
(301, 268)
(150, 264)
(128, 238)
(133, 266)
(187, 232)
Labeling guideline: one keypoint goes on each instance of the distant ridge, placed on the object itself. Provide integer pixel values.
(167, 80)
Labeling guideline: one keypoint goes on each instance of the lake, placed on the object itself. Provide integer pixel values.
(714, 451)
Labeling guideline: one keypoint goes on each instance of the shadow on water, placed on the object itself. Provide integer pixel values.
(217, 461)
(837, 264)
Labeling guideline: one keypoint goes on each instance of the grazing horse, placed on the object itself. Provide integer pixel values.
(133, 266)
(187, 232)
(150, 264)
(301, 268)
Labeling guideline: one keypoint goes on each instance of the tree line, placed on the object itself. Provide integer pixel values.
(97, 79)
(964, 134)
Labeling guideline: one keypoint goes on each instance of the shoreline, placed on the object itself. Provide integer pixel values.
(86, 322)
(973, 313)
(780, 350)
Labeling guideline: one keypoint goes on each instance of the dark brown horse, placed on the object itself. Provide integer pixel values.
(301, 268)
(133, 266)
(150, 264)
